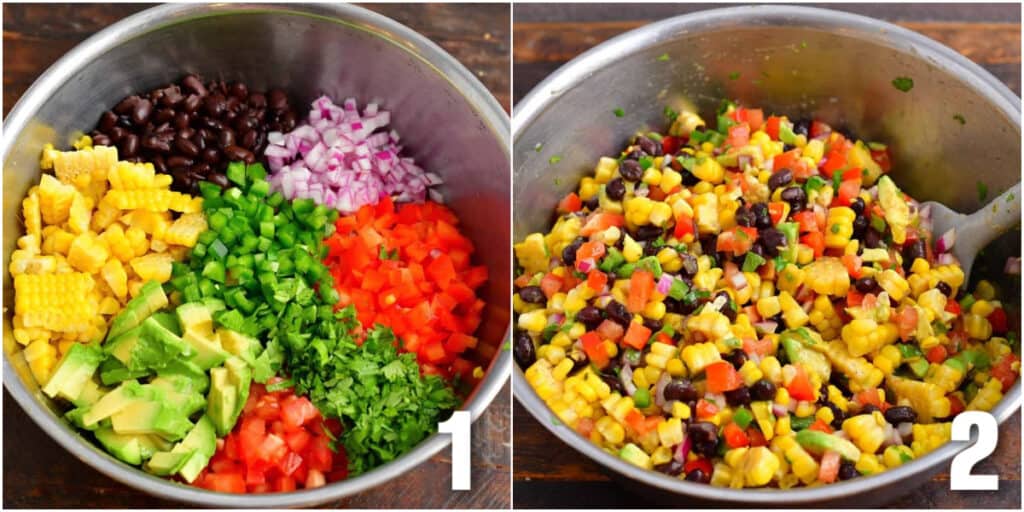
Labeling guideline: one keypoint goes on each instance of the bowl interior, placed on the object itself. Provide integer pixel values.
(448, 124)
(793, 61)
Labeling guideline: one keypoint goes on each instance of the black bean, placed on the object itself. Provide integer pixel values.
(647, 232)
(591, 204)
(736, 358)
(129, 145)
(179, 161)
(186, 146)
(726, 308)
(680, 389)
(699, 476)
(739, 396)
(257, 100)
(796, 197)
(117, 133)
(763, 390)
(141, 111)
(762, 219)
(838, 416)
(191, 103)
(866, 284)
(579, 360)
(277, 99)
(590, 316)
(857, 205)
(569, 253)
(100, 139)
(671, 468)
(107, 121)
(690, 267)
(745, 217)
(248, 139)
(860, 225)
(236, 153)
(847, 470)
(703, 432)
(523, 350)
(630, 170)
(215, 105)
(802, 127)
(194, 84)
(219, 179)
(780, 179)
(126, 105)
(618, 313)
(652, 324)
(911, 252)
(226, 138)
(873, 240)
(201, 169)
(868, 409)
(944, 288)
(616, 189)
(533, 295)
(900, 414)
(159, 164)
(771, 239)
(239, 90)
(648, 146)
(651, 250)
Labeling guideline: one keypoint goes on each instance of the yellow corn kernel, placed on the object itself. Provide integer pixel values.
(828, 276)
(977, 327)
(562, 370)
(675, 368)
(790, 279)
(896, 455)
(41, 357)
(920, 266)
(792, 313)
(868, 464)
(670, 432)
(750, 372)
(680, 410)
(891, 282)
(699, 355)
(865, 432)
(709, 170)
(772, 369)
(928, 437)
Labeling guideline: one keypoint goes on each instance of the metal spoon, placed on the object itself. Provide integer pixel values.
(975, 231)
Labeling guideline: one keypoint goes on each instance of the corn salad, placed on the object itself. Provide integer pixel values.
(754, 306)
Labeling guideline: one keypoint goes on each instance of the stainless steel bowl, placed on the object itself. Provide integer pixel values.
(793, 60)
(449, 121)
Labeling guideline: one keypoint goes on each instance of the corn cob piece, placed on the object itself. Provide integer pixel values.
(58, 302)
(926, 398)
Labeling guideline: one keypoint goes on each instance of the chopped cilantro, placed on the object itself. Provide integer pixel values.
(735, 75)
(646, 162)
(671, 114)
(663, 57)
(903, 83)
(960, 119)
(619, 112)
(982, 191)
(537, 147)
(554, 159)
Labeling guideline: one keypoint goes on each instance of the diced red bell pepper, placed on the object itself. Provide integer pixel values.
(598, 222)
(594, 349)
(807, 220)
(705, 409)
(998, 320)
(637, 335)
(570, 203)
(684, 226)
(816, 241)
(699, 463)
(596, 279)
(937, 354)
(821, 426)
(776, 209)
(1003, 371)
(722, 377)
(739, 135)
(641, 286)
(800, 387)
(772, 126)
(735, 437)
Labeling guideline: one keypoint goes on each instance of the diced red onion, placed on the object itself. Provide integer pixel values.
(779, 410)
(767, 326)
(556, 318)
(841, 434)
(642, 191)
(664, 283)
(945, 258)
(342, 159)
(946, 241)
(683, 449)
(743, 161)
(626, 377)
(585, 265)
(659, 389)
(906, 429)
(1012, 266)
(739, 281)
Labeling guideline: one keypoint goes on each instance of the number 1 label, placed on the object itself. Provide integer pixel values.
(960, 477)
(458, 426)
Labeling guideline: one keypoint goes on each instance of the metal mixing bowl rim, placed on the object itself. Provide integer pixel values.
(605, 54)
(465, 83)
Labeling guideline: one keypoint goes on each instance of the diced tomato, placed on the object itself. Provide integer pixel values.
(550, 284)
(853, 264)
(227, 482)
(956, 405)
(641, 286)
(882, 158)
(591, 251)
(835, 159)
(776, 209)
(585, 426)
(937, 354)
(998, 320)
(807, 220)
(705, 409)
(791, 160)
(594, 349)
(570, 203)
(722, 377)
(637, 421)
(670, 144)
(738, 240)
(868, 397)
(760, 347)
(821, 426)
(598, 222)
(637, 335)
(1003, 371)
(772, 125)
(596, 279)
(800, 387)
(739, 135)
(699, 463)
(953, 307)
(610, 330)
(906, 322)
(848, 191)
(735, 437)
(756, 437)
(816, 241)
(684, 227)
(818, 129)
(829, 469)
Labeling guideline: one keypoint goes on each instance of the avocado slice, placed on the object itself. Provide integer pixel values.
(635, 455)
(222, 401)
(91, 393)
(168, 463)
(196, 317)
(798, 353)
(169, 321)
(208, 350)
(202, 441)
(152, 412)
(74, 370)
(151, 298)
(148, 346)
(74, 416)
(124, 447)
(111, 403)
(241, 345)
(240, 376)
(200, 381)
(181, 393)
(113, 372)
(818, 442)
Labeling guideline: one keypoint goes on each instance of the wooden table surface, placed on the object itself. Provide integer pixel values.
(549, 474)
(38, 473)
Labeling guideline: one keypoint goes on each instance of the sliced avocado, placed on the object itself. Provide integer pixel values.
(169, 321)
(798, 353)
(124, 447)
(151, 298)
(202, 441)
(200, 381)
(111, 403)
(168, 463)
(113, 372)
(74, 370)
(222, 401)
(240, 376)
(74, 416)
(635, 455)
(818, 442)
(241, 345)
(207, 348)
(149, 345)
(91, 393)
(152, 415)
(196, 317)
(181, 393)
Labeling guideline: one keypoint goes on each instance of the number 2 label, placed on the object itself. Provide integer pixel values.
(458, 426)
(960, 477)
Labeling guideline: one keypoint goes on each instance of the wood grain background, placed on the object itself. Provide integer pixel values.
(38, 473)
(549, 474)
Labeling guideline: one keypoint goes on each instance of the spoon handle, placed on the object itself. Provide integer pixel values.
(981, 227)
